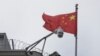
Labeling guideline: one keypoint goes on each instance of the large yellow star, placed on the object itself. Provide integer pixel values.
(72, 17)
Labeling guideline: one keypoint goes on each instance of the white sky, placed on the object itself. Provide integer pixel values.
(21, 19)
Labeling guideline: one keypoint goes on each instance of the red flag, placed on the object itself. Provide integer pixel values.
(68, 22)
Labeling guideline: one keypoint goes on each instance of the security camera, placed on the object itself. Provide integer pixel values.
(59, 32)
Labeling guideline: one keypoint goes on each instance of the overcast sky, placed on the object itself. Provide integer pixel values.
(22, 20)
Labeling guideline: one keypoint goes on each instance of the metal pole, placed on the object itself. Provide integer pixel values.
(76, 9)
(12, 44)
(30, 47)
(75, 46)
(34, 44)
(43, 45)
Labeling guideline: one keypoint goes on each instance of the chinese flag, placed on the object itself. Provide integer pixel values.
(68, 22)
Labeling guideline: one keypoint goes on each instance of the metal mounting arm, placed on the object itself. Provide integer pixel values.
(30, 47)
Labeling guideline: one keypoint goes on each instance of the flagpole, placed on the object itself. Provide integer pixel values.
(76, 38)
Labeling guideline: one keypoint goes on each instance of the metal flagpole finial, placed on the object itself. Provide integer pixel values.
(76, 6)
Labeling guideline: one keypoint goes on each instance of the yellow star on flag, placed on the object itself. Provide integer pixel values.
(63, 18)
(72, 17)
